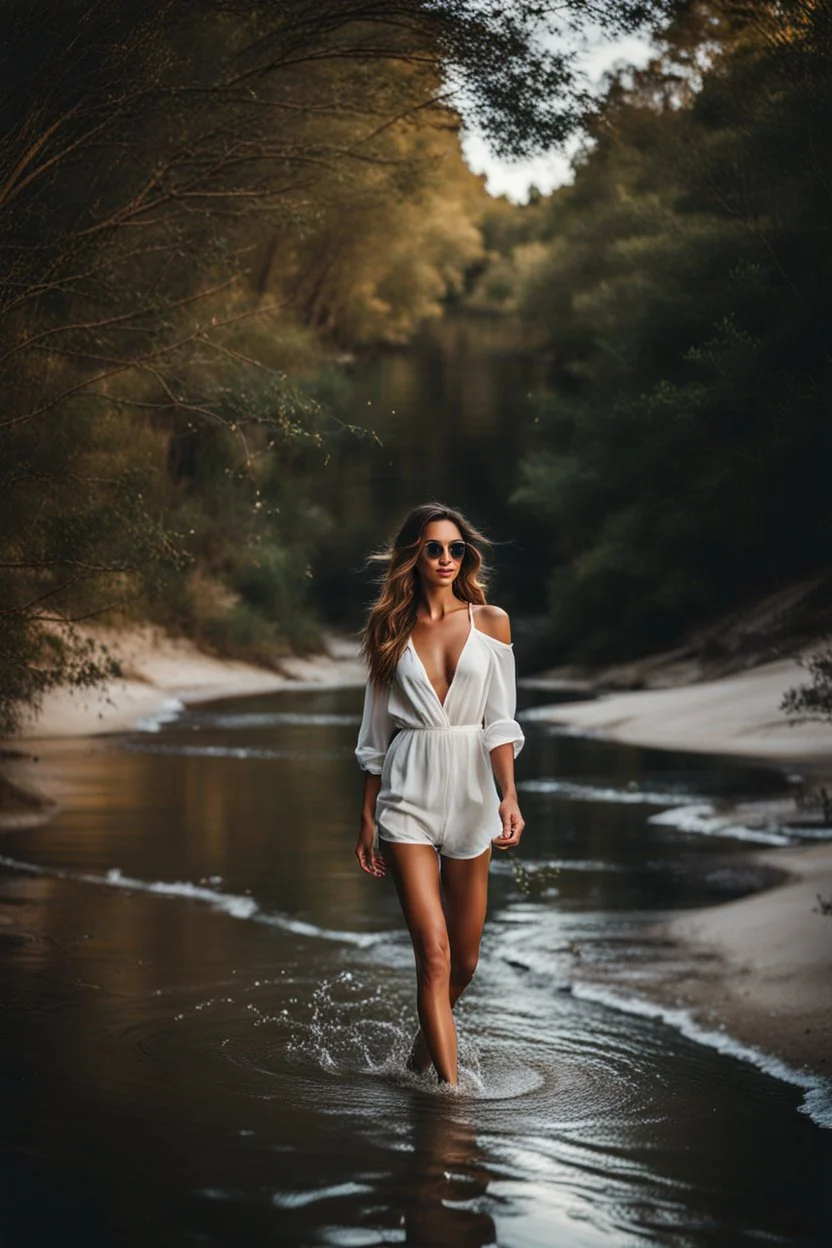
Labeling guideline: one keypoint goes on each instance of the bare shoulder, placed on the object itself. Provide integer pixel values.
(494, 621)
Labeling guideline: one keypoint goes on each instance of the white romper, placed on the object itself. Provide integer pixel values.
(437, 785)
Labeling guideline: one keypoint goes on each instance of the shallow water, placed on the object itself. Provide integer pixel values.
(207, 1009)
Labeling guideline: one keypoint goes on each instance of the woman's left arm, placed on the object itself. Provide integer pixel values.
(502, 761)
(503, 735)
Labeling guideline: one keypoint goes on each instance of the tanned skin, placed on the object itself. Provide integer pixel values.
(443, 899)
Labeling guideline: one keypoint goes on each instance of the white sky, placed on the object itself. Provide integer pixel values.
(513, 178)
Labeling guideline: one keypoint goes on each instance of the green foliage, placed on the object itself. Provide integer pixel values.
(812, 700)
(685, 281)
(199, 200)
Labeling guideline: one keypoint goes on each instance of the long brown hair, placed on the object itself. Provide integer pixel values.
(393, 615)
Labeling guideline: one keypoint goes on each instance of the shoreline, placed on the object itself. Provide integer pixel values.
(757, 969)
(161, 674)
(736, 715)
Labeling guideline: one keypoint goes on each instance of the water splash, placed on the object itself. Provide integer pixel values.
(354, 1029)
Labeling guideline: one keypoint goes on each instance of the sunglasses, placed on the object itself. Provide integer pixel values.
(434, 550)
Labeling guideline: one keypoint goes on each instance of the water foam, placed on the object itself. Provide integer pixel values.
(169, 710)
(298, 1200)
(817, 1091)
(632, 795)
(271, 719)
(542, 866)
(235, 905)
(703, 820)
(235, 751)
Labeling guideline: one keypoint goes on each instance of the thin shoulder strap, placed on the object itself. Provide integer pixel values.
(470, 614)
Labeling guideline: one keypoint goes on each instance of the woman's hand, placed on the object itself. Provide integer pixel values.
(513, 824)
(368, 859)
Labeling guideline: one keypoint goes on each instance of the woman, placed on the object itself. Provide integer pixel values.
(438, 727)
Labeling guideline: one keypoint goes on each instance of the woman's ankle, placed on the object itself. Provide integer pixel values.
(419, 1060)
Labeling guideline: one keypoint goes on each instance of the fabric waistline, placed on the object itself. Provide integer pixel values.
(442, 728)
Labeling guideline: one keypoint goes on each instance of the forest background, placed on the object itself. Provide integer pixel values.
(212, 213)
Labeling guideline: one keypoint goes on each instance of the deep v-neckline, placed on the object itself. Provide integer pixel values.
(444, 702)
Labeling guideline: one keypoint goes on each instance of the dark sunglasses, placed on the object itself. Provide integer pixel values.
(456, 550)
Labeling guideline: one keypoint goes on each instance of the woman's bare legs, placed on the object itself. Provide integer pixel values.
(415, 873)
(465, 889)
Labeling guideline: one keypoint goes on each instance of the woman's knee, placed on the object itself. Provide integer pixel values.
(433, 957)
(463, 966)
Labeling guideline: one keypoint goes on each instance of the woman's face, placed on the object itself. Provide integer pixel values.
(439, 567)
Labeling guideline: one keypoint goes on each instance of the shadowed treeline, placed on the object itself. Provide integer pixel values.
(683, 285)
(208, 210)
(200, 204)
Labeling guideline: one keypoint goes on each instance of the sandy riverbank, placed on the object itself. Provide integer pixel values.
(758, 969)
(160, 673)
(736, 715)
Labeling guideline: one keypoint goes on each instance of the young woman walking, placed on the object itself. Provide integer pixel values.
(438, 728)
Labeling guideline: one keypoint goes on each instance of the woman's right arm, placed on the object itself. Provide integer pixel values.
(374, 736)
(368, 859)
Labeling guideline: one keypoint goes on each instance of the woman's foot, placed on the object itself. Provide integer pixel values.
(419, 1060)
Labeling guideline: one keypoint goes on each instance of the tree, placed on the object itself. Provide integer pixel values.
(151, 156)
(684, 279)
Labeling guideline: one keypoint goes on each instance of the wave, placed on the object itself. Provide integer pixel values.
(817, 1091)
(235, 751)
(501, 866)
(169, 711)
(703, 820)
(264, 719)
(572, 790)
(236, 905)
(552, 727)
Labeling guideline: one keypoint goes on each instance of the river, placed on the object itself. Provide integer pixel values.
(206, 1011)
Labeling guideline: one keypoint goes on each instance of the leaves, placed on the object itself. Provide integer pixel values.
(684, 280)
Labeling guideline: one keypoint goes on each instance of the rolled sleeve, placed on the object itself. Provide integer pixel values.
(500, 726)
(376, 730)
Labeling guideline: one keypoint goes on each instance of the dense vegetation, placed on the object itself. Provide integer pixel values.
(200, 203)
(206, 206)
(684, 282)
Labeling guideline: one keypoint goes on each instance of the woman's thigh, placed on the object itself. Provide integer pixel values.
(465, 885)
(415, 872)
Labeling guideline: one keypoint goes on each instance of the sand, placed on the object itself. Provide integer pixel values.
(758, 969)
(162, 673)
(736, 715)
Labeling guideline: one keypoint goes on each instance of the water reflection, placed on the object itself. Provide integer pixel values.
(208, 1011)
(447, 1180)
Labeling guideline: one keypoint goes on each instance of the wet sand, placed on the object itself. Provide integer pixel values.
(761, 967)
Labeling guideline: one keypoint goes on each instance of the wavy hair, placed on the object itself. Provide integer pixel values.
(392, 616)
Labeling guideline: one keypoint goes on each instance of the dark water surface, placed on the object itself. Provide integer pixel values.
(206, 1011)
